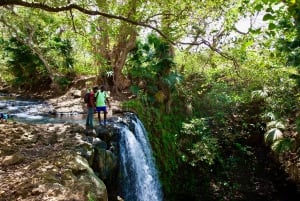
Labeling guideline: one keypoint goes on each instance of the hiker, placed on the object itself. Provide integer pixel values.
(101, 101)
(90, 102)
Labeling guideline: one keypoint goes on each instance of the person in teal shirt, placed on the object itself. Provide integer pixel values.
(101, 101)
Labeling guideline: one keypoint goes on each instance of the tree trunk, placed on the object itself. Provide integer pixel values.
(113, 51)
(119, 56)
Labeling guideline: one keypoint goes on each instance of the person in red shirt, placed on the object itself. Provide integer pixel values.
(91, 108)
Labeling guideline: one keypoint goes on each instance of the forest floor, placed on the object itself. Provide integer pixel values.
(265, 182)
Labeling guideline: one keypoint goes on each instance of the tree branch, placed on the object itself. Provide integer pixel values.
(210, 46)
(71, 6)
(83, 10)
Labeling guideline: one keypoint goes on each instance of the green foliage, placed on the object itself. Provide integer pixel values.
(284, 21)
(273, 135)
(25, 66)
(283, 145)
(243, 148)
(28, 69)
(238, 101)
(275, 138)
(64, 48)
(35, 48)
(63, 81)
(150, 67)
(298, 124)
(137, 106)
(84, 69)
(162, 128)
(196, 143)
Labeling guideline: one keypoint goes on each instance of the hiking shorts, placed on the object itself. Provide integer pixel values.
(102, 108)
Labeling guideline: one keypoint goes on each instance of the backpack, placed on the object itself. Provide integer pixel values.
(86, 97)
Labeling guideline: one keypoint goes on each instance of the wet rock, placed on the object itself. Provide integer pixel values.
(90, 132)
(87, 151)
(105, 163)
(106, 134)
(100, 145)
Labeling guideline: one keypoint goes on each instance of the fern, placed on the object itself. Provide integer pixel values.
(272, 135)
(282, 145)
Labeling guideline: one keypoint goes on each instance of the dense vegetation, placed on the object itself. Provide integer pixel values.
(217, 82)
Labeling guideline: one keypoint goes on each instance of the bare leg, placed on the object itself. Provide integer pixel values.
(99, 116)
(105, 117)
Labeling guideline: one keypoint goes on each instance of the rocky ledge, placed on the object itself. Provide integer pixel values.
(56, 162)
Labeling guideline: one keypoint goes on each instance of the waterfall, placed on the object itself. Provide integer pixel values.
(138, 175)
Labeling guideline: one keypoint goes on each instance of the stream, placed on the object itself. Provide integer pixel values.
(35, 111)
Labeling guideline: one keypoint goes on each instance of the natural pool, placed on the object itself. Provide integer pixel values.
(35, 111)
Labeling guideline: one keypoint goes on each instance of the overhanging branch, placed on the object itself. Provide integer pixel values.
(71, 6)
(83, 10)
(213, 48)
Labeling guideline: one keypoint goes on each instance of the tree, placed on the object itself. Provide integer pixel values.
(204, 24)
(151, 68)
(113, 48)
(24, 32)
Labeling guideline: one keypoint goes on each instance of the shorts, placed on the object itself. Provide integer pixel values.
(102, 108)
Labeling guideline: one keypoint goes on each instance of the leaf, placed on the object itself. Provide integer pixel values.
(272, 135)
(255, 31)
(282, 145)
(259, 7)
(272, 26)
(268, 17)
(275, 124)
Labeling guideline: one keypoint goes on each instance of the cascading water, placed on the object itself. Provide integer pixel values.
(138, 175)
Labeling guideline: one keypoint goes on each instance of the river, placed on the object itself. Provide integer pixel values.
(35, 111)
